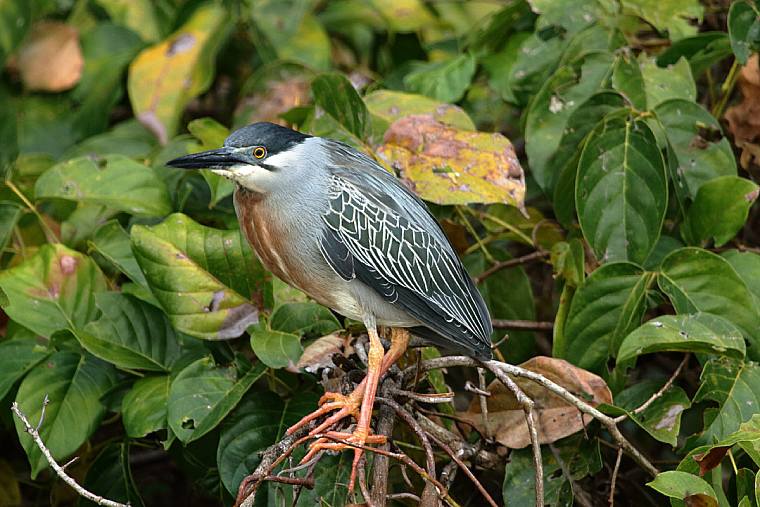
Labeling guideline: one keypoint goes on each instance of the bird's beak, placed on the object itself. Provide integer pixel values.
(222, 158)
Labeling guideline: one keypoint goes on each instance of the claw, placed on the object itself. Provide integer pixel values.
(358, 437)
(345, 406)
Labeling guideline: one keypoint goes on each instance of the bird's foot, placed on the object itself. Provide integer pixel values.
(342, 405)
(355, 441)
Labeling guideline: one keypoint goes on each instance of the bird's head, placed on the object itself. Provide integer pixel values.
(256, 157)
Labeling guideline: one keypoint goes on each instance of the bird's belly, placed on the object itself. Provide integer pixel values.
(300, 264)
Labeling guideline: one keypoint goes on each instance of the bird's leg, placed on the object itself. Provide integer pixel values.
(379, 363)
(348, 405)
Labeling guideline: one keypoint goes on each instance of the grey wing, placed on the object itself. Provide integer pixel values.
(380, 233)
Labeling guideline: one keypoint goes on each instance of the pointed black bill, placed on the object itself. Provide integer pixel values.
(212, 159)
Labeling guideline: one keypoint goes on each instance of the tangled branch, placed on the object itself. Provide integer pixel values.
(398, 403)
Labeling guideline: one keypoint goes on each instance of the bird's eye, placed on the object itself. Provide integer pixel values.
(259, 152)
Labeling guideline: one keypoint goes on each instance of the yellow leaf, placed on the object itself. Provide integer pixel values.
(164, 77)
(447, 165)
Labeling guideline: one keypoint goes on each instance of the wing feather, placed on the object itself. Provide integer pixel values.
(382, 234)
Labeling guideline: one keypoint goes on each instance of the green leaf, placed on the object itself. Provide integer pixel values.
(304, 318)
(563, 164)
(554, 104)
(664, 83)
(628, 79)
(609, 304)
(200, 276)
(661, 419)
(143, 409)
(388, 106)
(274, 348)
(107, 50)
(720, 209)
(211, 135)
(110, 476)
(116, 182)
(744, 29)
(164, 77)
(696, 280)
(735, 386)
(10, 212)
(74, 385)
(82, 223)
(337, 96)
(15, 18)
(621, 192)
(258, 421)
(700, 332)
(202, 394)
(138, 15)
(52, 290)
(702, 51)
(747, 265)
(18, 356)
(682, 486)
(130, 334)
(701, 152)
(446, 80)
(671, 16)
(112, 242)
(291, 33)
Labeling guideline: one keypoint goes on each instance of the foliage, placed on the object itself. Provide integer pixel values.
(588, 131)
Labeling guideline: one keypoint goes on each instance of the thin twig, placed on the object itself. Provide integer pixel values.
(517, 261)
(307, 482)
(464, 469)
(660, 392)
(614, 476)
(50, 235)
(607, 421)
(483, 399)
(424, 397)
(527, 325)
(60, 472)
(410, 421)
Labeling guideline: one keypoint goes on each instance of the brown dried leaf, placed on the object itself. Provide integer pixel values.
(319, 353)
(710, 459)
(744, 118)
(447, 165)
(51, 58)
(556, 419)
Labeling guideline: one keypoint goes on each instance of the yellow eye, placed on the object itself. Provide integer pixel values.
(259, 152)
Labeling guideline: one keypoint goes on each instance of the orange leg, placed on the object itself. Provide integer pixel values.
(379, 363)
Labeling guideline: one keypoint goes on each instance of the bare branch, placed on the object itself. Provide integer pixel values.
(614, 477)
(528, 325)
(660, 392)
(58, 469)
(517, 261)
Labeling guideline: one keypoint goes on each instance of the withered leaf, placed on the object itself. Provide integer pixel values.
(51, 58)
(319, 353)
(448, 165)
(556, 418)
(744, 118)
(710, 459)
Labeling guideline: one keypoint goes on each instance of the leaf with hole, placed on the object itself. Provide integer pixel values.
(698, 332)
(202, 394)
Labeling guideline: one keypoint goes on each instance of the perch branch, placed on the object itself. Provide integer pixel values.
(607, 421)
(58, 469)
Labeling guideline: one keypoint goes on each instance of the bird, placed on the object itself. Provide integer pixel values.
(331, 221)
